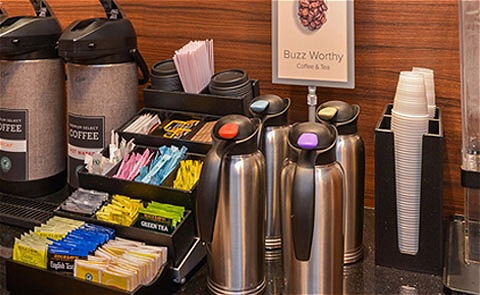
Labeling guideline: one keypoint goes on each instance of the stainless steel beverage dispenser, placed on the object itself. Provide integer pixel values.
(230, 208)
(462, 270)
(32, 104)
(350, 152)
(273, 111)
(102, 59)
(312, 199)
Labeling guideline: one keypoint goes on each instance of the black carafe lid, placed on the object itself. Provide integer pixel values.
(271, 109)
(99, 40)
(232, 134)
(30, 37)
(314, 144)
(341, 114)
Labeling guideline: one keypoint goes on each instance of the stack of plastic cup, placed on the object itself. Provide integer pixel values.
(409, 124)
(429, 88)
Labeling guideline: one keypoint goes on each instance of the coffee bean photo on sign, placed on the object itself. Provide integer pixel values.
(312, 13)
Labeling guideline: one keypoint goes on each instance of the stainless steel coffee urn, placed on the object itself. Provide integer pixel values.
(102, 59)
(230, 208)
(273, 111)
(351, 155)
(32, 104)
(312, 199)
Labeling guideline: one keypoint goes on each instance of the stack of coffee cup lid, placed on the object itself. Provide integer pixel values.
(231, 83)
(165, 76)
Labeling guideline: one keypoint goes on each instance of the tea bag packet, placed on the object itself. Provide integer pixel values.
(122, 210)
(188, 174)
(144, 124)
(84, 202)
(160, 217)
(128, 263)
(117, 279)
(57, 228)
(31, 249)
(78, 244)
(89, 270)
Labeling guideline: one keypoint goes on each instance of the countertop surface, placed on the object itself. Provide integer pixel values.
(363, 277)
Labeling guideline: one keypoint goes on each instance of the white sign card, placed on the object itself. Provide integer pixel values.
(313, 43)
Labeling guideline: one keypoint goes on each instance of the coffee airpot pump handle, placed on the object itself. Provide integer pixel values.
(112, 9)
(303, 197)
(207, 196)
(42, 9)
(142, 65)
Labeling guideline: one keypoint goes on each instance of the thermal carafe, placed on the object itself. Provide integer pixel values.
(312, 199)
(273, 111)
(32, 104)
(350, 153)
(230, 208)
(102, 59)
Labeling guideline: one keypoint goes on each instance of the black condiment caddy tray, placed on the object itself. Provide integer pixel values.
(178, 242)
(429, 258)
(203, 102)
(26, 279)
(164, 193)
(155, 138)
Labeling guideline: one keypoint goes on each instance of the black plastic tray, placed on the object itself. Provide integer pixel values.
(157, 140)
(430, 257)
(178, 243)
(199, 103)
(26, 279)
(164, 193)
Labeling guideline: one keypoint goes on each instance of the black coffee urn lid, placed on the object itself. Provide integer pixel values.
(99, 40)
(30, 37)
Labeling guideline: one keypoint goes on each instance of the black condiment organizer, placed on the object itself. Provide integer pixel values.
(163, 193)
(429, 258)
(203, 102)
(156, 139)
(27, 279)
(178, 242)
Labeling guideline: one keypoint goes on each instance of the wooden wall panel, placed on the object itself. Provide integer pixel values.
(390, 36)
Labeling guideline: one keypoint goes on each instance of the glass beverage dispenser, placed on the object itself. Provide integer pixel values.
(470, 65)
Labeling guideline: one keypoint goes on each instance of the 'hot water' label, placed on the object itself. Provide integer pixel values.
(13, 145)
(86, 136)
